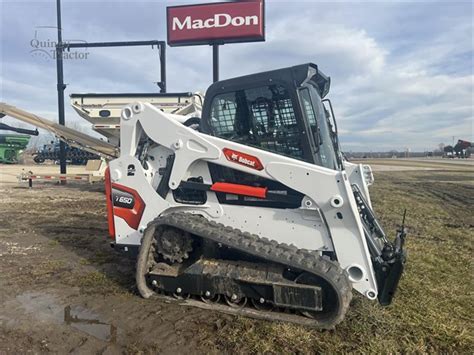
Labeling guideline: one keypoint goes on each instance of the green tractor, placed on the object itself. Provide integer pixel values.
(11, 146)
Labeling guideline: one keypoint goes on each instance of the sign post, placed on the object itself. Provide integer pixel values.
(215, 62)
(215, 24)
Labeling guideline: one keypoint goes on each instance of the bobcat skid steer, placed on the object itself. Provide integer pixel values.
(251, 209)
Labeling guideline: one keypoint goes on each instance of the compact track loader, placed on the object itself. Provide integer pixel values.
(251, 208)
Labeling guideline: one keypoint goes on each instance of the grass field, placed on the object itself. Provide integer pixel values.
(433, 308)
(423, 163)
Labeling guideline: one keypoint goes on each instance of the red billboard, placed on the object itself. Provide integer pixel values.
(222, 22)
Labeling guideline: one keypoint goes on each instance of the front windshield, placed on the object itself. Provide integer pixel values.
(315, 114)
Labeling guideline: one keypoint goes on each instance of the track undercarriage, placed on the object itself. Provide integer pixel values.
(240, 273)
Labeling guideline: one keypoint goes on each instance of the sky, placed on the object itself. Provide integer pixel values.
(401, 71)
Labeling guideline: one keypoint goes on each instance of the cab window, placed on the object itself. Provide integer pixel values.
(263, 117)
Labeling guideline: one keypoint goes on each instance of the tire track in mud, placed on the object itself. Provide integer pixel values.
(72, 260)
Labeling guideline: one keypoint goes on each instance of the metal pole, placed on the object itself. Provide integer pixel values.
(60, 87)
(215, 62)
(162, 48)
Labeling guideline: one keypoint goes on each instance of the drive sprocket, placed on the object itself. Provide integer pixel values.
(173, 244)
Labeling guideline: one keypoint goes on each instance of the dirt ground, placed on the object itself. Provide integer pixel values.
(64, 290)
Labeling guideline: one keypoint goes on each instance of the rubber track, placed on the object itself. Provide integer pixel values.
(289, 255)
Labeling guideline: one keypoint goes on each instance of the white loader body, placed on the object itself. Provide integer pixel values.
(314, 226)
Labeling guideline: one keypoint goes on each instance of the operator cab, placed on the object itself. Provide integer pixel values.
(280, 111)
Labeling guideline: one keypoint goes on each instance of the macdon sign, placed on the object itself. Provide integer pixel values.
(216, 23)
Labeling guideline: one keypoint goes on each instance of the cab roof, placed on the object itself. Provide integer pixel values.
(296, 75)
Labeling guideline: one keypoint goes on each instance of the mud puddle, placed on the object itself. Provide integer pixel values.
(47, 308)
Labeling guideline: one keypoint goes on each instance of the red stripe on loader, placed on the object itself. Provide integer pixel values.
(110, 207)
(131, 216)
(252, 191)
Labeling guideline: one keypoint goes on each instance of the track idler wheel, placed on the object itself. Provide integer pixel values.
(261, 304)
(180, 295)
(210, 298)
(235, 301)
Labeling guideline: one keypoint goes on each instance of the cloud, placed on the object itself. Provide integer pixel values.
(384, 99)
(401, 75)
